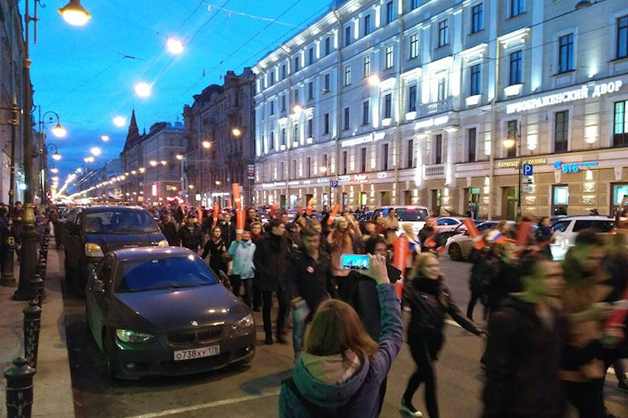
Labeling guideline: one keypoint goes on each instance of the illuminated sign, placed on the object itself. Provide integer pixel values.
(564, 97)
(428, 123)
(573, 167)
(536, 161)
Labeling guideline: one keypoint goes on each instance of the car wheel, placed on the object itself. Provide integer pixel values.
(455, 253)
(110, 354)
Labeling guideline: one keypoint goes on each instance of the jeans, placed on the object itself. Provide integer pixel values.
(267, 301)
(298, 333)
(237, 282)
(424, 357)
(257, 293)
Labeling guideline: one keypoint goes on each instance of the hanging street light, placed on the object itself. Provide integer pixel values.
(175, 46)
(74, 13)
(143, 90)
(59, 131)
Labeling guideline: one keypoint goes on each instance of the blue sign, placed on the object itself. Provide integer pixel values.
(527, 169)
(334, 183)
(573, 167)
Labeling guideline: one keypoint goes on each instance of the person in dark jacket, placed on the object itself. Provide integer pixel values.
(169, 230)
(524, 348)
(341, 369)
(429, 300)
(544, 236)
(216, 248)
(228, 229)
(270, 260)
(481, 274)
(190, 234)
(428, 236)
(309, 281)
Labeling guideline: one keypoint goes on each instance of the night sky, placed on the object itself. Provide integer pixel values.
(87, 74)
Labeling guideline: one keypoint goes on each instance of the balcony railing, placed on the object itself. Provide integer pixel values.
(434, 170)
(433, 108)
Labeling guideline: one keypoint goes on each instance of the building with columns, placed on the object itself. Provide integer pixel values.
(414, 102)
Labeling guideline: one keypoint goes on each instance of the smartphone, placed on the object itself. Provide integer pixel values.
(354, 262)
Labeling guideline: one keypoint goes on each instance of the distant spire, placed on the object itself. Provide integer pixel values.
(133, 135)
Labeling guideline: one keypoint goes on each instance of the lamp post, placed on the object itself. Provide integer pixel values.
(47, 149)
(323, 170)
(514, 140)
(59, 132)
(72, 12)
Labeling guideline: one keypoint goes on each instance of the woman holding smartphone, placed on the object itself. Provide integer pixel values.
(429, 300)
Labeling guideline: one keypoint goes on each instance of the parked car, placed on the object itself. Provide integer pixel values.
(459, 246)
(416, 215)
(162, 311)
(448, 223)
(91, 232)
(566, 230)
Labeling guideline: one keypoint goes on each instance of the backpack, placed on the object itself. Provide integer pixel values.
(319, 411)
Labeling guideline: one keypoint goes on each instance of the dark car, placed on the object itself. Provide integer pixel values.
(162, 311)
(91, 232)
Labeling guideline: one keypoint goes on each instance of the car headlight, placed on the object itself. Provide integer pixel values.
(243, 326)
(93, 250)
(163, 243)
(134, 337)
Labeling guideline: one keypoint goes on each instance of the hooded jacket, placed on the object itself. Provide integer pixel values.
(242, 253)
(312, 384)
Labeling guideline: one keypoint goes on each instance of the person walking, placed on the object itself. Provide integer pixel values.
(429, 301)
(524, 347)
(270, 260)
(190, 234)
(256, 234)
(310, 282)
(228, 229)
(391, 226)
(216, 248)
(169, 230)
(242, 251)
(341, 369)
(544, 236)
(428, 236)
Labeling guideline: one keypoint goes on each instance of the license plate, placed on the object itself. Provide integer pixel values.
(193, 353)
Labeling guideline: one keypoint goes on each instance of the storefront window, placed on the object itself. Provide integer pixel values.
(619, 191)
(560, 200)
(363, 199)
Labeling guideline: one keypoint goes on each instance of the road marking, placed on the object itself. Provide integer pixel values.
(207, 405)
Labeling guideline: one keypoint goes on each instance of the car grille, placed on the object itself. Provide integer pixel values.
(200, 335)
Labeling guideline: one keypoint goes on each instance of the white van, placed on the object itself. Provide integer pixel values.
(416, 215)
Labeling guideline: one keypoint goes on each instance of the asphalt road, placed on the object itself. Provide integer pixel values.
(252, 391)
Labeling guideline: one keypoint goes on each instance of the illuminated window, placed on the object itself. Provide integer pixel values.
(443, 33)
(512, 134)
(347, 79)
(414, 46)
(390, 60)
(620, 131)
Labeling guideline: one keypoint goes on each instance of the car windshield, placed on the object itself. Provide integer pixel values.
(411, 214)
(119, 222)
(163, 273)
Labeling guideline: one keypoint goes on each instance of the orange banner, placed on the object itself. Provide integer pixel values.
(333, 214)
(215, 215)
(400, 252)
(240, 220)
(310, 206)
(236, 195)
(523, 234)
(473, 232)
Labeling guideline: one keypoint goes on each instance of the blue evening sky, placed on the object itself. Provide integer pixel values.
(82, 73)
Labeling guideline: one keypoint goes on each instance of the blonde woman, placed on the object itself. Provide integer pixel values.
(341, 239)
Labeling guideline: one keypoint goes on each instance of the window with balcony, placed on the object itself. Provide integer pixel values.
(412, 98)
(366, 28)
(362, 160)
(347, 77)
(475, 85)
(477, 18)
(310, 90)
(326, 124)
(310, 56)
(471, 144)
(565, 53)
(517, 7)
(348, 36)
(366, 113)
(346, 118)
(388, 106)
(389, 12)
(442, 89)
(390, 58)
(410, 160)
(367, 66)
(327, 46)
(384, 157)
(414, 46)
(620, 131)
(438, 149)
(327, 83)
(443, 33)
(561, 131)
(515, 68)
(622, 37)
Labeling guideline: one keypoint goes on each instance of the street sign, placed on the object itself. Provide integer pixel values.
(527, 169)
(527, 188)
(334, 184)
(529, 180)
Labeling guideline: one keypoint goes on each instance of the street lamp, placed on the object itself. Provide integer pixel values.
(206, 144)
(74, 13)
(373, 80)
(105, 138)
(514, 139)
(175, 46)
(119, 121)
(237, 132)
(95, 151)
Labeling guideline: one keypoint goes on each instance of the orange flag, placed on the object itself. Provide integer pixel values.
(400, 246)
(236, 195)
(274, 209)
(240, 220)
(333, 214)
(474, 233)
(523, 235)
(215, 215)
(310, 206)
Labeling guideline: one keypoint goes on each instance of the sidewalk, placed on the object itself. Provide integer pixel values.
(53, 384)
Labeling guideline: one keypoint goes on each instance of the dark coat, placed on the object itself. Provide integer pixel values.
(310, 279)
(191, 240)
(228, 232)
(426, 233)
(170, 232)
(523, 359)
(430, 302)
(215, 250)
(271, 259)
